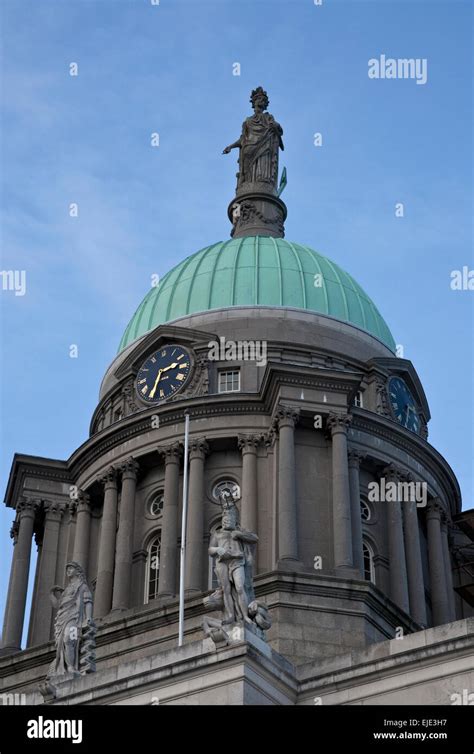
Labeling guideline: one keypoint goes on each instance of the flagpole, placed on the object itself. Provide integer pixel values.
(183, 530)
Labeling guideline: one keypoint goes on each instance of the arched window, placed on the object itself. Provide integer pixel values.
(365, 512)
(226, 485)
(155, 504)
(152, 568)
(369, 567)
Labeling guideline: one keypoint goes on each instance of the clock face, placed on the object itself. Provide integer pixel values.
(403, 404)
(163, 374)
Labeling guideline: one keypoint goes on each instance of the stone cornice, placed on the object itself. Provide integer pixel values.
(278, 374)
(207, 406)
(146, 619)
(414, 445)
(34, 466)
(151, 341)
(391, 365)
(214, 406)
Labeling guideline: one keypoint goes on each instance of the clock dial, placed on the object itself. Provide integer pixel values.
(403, 404)
(163, 374)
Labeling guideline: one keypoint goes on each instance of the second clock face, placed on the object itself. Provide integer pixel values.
(163, 374)
(403, 404)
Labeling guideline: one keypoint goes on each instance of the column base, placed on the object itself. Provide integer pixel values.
(9, 650)
(290, 564)
(348, 572)
(164, 599)
(192, 592)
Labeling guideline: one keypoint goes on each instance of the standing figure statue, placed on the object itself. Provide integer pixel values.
(233, 550)
(258, 147)
(74, 629)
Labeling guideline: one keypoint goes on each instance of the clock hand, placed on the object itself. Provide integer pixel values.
(171, 366)
(153, 390)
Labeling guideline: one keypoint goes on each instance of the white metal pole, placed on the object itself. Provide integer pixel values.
(183, 531)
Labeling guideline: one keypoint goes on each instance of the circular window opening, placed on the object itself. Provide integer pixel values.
(155, 506)
(227, 485)
(365, 512)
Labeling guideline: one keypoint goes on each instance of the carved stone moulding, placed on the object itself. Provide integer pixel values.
(257, 214)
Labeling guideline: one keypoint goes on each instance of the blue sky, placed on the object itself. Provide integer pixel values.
(168, 69)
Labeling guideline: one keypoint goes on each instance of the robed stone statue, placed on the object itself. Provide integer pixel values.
(74, 628)
(258, 147)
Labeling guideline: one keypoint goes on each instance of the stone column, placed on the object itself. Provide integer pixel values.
(198, 448)
(38, 540)
(396, 543)
(439, 596)
(416, 584)
(123, 558)
(108, 531)
(170, 524)
(341, 500)
(71, 537)
(41, 630)
(448, 568)
(286, 419)
(83, 527)
(18, 586)
(354, 459)
(248, 445)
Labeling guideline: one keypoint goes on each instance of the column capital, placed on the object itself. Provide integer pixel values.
(72, 506)
(28, 506)
(338, 423)
(171, 453)
(355, 457)
(82, 501)
(434, 509)
(248, 443)
(129, 468)
(15, 528)
(109, 477)
(198, 448)
(286, 416)
(53, 509)
(38, 536)
(392, 473)
(269, 437)
(445, 519)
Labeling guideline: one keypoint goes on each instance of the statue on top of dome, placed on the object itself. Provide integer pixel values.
(258, 147)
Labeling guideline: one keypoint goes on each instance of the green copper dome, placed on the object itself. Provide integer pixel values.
(257, 271)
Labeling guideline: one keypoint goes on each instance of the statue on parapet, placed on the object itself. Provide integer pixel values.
(233, 551)
(74, 628)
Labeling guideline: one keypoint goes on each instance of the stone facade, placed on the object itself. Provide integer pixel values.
(334, 581)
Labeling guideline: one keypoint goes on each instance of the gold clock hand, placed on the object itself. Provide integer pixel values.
(153, 390)
(171, 366)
